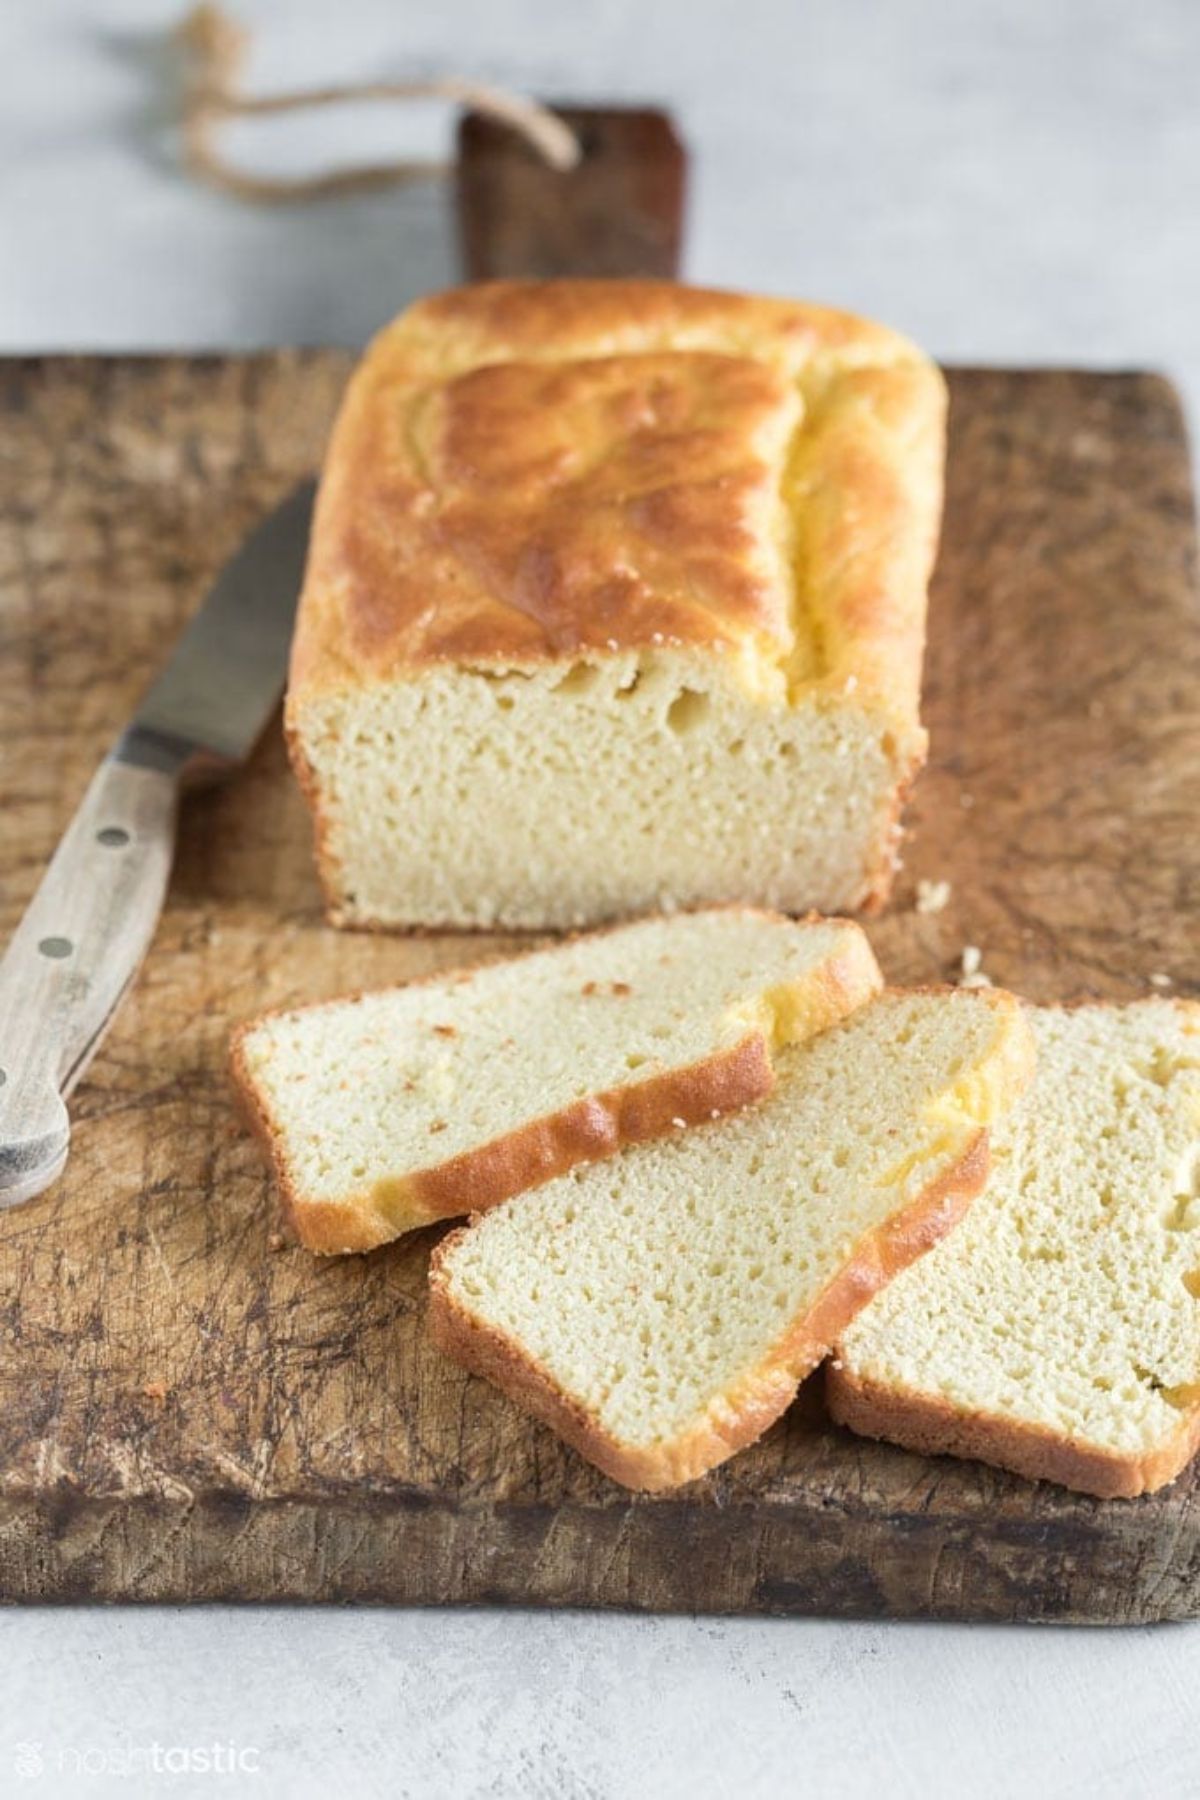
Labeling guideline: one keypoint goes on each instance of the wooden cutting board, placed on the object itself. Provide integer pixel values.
(188, 1411)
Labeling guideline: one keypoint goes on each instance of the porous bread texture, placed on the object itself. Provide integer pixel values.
(660, 1310)
(1058, 1332)
(634, 784)
(388, 1110)
(616, 601)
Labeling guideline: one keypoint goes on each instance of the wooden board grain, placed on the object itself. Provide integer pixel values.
(187, 1412)
(618, 212)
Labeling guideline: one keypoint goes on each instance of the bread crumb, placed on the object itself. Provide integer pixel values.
(621, 987)
(1159, 980)
(438, 1125)
(447, 1031)
(276, 1241)
(972, 974)
(589, 987)
(933, 896)
(679, 1123)
(155, 1390)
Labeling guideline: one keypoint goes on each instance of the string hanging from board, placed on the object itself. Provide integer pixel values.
(215, 48)
(538, 190)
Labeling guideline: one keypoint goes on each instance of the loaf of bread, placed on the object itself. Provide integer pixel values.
(389, 1110)
(659, 1310)
(615, 603)
(1057, 1332)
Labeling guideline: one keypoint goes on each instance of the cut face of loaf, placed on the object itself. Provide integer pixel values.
(558, 798)
(660, 1310)
(616, 602)
(1058, 1332)
(389, 1110)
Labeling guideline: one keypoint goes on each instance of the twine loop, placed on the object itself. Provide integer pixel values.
(215, 48)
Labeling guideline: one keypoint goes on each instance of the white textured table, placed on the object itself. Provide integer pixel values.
(1015, 180)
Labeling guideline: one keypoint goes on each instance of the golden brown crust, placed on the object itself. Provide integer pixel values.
(881, 876)
(739, 1417)
(540, 1149)
(528, 472)
(933, 1426)
(329, 870)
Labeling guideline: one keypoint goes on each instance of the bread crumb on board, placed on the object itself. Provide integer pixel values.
(1159, 980)
(155, 1390)
(972, 971)
(933, 896)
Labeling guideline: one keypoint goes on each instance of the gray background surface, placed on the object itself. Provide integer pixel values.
(1010, 180)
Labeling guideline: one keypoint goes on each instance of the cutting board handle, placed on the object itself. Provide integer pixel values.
(75, 952)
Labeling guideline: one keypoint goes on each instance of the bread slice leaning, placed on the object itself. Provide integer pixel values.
(384, 1112)
(1058, 1332)
(660, 1310)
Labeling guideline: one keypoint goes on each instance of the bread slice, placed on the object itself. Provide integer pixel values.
(660, 1310)
(615, 602)
(389, 1110)
(1058, 1333)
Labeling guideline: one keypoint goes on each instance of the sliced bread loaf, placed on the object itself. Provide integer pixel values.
(615, 601)
(1058, 1333)
(389, 1110)
(660, 1310)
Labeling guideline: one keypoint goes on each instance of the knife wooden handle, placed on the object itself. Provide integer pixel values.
(75, 952)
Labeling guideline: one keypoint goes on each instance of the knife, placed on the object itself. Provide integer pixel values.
(90, 923)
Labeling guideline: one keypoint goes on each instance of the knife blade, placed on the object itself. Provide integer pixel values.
(84, 935)
(226, 674)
